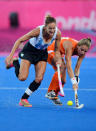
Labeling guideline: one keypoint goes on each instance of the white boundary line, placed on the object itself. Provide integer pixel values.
(23, 88)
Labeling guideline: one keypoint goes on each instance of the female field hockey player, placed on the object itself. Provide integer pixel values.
(68, 47)
(35, 52)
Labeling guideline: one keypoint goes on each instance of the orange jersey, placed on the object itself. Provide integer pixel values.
(62, 50)
(51, 48)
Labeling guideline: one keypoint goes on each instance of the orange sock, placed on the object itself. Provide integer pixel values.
(54, 85)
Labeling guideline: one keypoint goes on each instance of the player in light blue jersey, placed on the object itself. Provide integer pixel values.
(35, 52)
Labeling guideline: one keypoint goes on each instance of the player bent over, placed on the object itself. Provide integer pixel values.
(34, 52)
(68, 48)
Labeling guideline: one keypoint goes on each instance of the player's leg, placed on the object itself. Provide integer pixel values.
(21, 70)
(51, 94)
(16, 66)
(23, 74)
(40, 68)
(39, 59)
(13, 63)
(9, 65)
(54, 88)
(24, 69)
(54, 85)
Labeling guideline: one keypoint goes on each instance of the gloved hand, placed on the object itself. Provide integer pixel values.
(77, 79)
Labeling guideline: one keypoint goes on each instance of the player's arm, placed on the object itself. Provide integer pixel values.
(68, 54)
(57, 48)
(33, 33)
(77, 67)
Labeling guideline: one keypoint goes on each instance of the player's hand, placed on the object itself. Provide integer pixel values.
(77, 79)
(75, 86)
(8, 60)
(59, 62)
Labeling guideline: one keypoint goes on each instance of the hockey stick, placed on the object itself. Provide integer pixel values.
(77, 105)
(60, 83)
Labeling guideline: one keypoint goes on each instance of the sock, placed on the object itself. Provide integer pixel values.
(17, 66)
(25, 96)
(32, 87)
(54, 85)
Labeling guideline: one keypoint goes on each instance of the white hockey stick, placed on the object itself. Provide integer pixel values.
(77, 105)
(60, 83)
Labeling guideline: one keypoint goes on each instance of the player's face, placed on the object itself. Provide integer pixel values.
(50, 28)
(82, 50)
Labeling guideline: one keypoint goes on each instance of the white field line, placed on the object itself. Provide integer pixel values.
(23, 88)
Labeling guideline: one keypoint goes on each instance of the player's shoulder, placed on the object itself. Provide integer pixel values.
(69, 40)
(39, 28)
(67, 44)
(34, 32)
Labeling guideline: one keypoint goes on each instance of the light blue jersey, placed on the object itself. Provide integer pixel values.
(38, 42)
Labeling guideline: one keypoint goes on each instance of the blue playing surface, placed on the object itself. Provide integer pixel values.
(44, 115)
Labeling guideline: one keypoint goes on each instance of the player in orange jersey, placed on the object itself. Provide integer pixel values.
(68, 47)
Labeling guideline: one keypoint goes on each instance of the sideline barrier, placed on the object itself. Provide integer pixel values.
(69, 14)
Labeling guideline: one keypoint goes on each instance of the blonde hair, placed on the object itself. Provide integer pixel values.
(85, 41)
(49, 19)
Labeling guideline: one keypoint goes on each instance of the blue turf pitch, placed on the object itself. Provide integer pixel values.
(44, 115)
